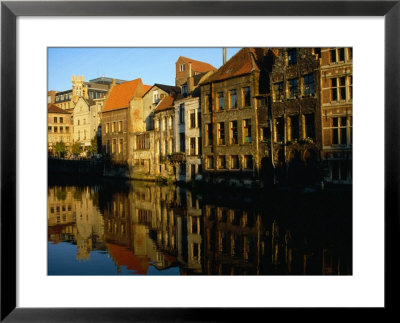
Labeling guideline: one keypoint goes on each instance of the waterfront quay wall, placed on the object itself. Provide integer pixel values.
(86, 167)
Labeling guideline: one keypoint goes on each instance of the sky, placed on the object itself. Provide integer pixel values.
(152, 65)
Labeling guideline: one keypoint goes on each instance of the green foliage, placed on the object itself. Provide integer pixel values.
(60, 148)
(76, 148)
(93, 146)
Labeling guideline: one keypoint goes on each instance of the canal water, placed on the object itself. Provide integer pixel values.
(114, 227)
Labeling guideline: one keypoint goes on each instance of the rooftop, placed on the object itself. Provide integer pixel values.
(121, 95)
(197, 66)
(52, 108)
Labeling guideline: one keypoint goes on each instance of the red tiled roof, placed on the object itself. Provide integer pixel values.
(147, 88)
(166, 103)
(240, 64)
(51, 108)
(124, 257)
(121, 94)
(198, 66)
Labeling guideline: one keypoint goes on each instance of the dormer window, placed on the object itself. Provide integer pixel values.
(292, 56)
(184, 89)
(156, 97)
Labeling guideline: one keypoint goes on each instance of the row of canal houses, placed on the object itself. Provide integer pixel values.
(265, 116)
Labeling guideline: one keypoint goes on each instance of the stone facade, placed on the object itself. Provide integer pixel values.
(294, 141)
(86, 121)
(141, 134)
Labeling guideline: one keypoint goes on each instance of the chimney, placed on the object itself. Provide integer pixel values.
(223, 55)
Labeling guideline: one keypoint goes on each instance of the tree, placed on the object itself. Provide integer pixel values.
(93, 146)
(60, 148)
(76, 148)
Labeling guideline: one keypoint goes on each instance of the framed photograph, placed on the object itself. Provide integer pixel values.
(288, 205)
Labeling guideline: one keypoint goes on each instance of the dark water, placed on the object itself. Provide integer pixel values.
(141, 228)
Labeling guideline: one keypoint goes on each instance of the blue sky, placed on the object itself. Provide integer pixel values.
(153, 65)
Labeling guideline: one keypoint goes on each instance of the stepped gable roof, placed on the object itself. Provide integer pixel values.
(166, 103)
(121, 94)
(198, 66)
(243, 62)
(52, 108)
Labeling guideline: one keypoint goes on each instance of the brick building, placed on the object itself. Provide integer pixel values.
(336, 75)
(229, 100)
(115, 123)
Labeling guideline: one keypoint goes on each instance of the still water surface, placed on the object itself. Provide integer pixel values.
(141, 228)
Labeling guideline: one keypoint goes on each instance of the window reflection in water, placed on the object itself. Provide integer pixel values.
(144, 228)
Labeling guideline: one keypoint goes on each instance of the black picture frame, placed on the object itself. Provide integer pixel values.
(10, 10)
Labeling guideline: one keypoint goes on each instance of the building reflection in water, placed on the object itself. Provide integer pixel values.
(144, 226)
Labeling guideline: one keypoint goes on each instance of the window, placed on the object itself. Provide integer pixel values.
(339, 131)
(220, 101)
(221, 162)
(221, 133)
(350, 53)
(338, 88)
(293, 88)
(55, 119)
(49, 128)
(247, 131)
(156, 97)
(235, 162)
(192, 146)
(279, 130)
(114, 146)
(341, 54)
(232, 99)
(182, 68)
(192, 119)
(265, 134)
(67, 129)
(210, 162)
(182, 113)
(55, 129)
(337, 55)
(182, 142)
(279, 91)
(119, 126)
(309, 84)
(292, 56)
(107, 127)
(61, 129)
(233, 133)
(108, 146)
(184, 89)
(84, 134)
(248, 162)
(143, 141)
(333, 55)
(209, 133)
(113, 127)
(350, 87)
(309, 126)
(61, 120)
(294, 128)
(120, 146)
(246, 96)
